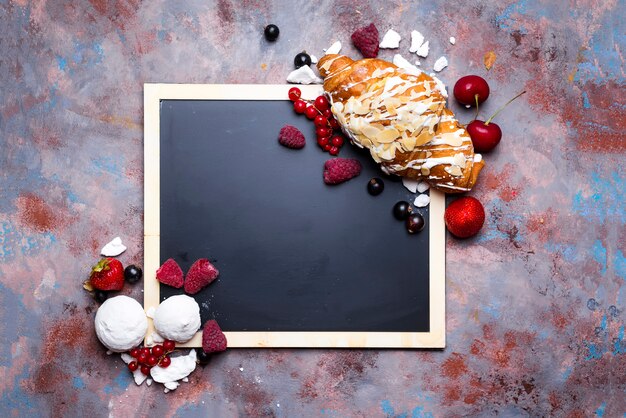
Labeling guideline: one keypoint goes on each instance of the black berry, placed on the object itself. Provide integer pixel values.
(415, 223)
(401, 210)
(375, 186)
(302, 59)
(132, 274)
(271, 32)
(101, 296)
(202, 357)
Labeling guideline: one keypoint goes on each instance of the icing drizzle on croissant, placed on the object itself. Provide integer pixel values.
(402, 119)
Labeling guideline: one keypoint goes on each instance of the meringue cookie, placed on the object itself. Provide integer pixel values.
(113, 248)
(303, 75)
(179, 368)
(177, 318)
(422, 201)
(391, 40)
(440, 64)
(334, 48)
(120, 323)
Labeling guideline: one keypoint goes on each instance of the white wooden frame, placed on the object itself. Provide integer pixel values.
(153, 94)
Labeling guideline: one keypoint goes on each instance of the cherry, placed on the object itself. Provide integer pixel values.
(294, 94)
(133, 365)
(134, 352)
(323, 141)
(471, 90)
(299, 106)
(484, 136)
(157, 350)
(323, 131)
(487, 135)
(333, 151)
(165, 361)
(337, 141)
(320, 121)
(321, 103)
(145, 370)
(169, 345)
(311, 112)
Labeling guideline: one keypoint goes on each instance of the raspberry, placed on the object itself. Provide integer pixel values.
(291, 137)
(213, 339)
(170, 274)
(366, 40)
(200, 274)
(339, 170)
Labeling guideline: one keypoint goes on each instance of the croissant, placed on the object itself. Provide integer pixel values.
(402, 119)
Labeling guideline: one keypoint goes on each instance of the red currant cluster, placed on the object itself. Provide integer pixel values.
(329, 136)
(150, 357)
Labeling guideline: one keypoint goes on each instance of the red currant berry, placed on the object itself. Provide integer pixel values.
(142, 358)
(169, 345)
(133, 365)
(145, 350)
(294, 94)
(322, 132)
(152, 361)
(322, 103)
(145, 370)
(157, 350)
(333, 151)
(323, 141)
(165, 361)
(327, 113)
(311, 112)
(333, 123)
(134, 352)
(299, 106)
(327, 147)
(337, 141)
(320, 121)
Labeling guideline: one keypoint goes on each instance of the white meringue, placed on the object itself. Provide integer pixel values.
(177, 318)
(120, 323)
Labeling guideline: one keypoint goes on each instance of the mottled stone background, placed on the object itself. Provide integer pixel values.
(536, 303)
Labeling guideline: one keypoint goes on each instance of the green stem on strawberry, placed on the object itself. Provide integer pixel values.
(502, 108)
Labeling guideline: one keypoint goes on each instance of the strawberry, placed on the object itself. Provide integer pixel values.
(107, 274)
(464, 217)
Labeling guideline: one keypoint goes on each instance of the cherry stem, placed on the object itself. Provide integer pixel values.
(476, 98)
(502, 108)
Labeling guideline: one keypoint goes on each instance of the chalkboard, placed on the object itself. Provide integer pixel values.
(297, 258)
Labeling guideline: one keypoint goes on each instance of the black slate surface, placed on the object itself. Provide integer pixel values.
(294, 254)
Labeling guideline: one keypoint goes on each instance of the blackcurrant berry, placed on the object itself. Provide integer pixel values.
(202, 357)
(415, 223)
(302, 59)
(375, 186)
(132, 273)
(401, 210)
(101, 295)
(271, 32)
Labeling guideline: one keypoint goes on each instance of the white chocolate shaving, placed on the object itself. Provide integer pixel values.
(391, 40)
